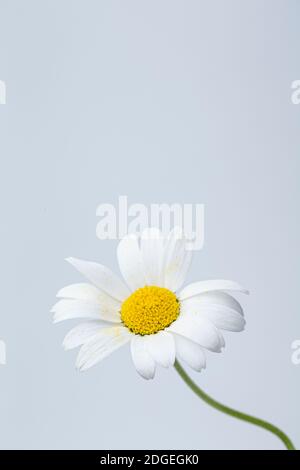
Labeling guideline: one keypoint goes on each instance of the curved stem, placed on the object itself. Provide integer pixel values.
(236, 414)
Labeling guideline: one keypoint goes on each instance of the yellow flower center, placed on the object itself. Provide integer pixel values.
(149, 310)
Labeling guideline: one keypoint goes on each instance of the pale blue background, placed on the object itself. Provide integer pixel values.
(164, 101)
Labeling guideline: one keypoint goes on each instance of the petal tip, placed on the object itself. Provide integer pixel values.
(65, 346)
(147, 377)
(53, 308)
(60, 293)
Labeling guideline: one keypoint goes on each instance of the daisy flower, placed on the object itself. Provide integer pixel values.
(150, 309)
(162, 320)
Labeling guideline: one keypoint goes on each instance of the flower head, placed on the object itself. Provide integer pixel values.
(150, 309)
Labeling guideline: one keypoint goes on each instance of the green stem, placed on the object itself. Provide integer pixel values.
(236, 414)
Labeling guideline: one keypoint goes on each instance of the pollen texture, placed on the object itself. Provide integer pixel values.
(149, 310)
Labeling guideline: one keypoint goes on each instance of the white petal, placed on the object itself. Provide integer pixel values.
(222, 340)
(143, 361)
(81, 333)
(101, 277)
(130, 262)
(177, 260)
(152, 249)
(190, 352)
(67, 309)
(161, 346)
(80, 291)
(224, 318)
(220, 315)
(109, 307)
(218, 298)
(102, 345)
(200, 287)
(199, 330)
(211, 330)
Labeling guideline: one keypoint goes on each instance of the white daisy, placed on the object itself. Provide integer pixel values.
(161, 320)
